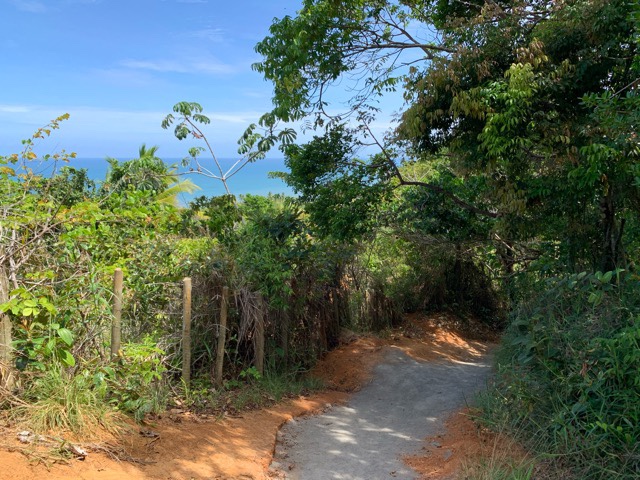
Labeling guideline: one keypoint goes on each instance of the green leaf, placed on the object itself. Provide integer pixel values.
(50, 346)
(66, 335)
(67, 358)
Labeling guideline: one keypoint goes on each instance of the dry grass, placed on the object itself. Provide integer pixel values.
(62, 402)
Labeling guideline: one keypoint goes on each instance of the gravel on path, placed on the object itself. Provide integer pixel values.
(387, 419)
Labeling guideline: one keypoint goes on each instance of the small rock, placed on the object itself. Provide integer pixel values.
(25, 436)
(436, 444)
(78, 452)
(447, 455)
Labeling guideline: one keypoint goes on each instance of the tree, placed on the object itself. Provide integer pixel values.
(24, 225)
(372, 41)
(500, 90)
(253, 145)
(146, 173)
(341, 192)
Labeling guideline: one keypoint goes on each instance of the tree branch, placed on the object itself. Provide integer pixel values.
(430, 186)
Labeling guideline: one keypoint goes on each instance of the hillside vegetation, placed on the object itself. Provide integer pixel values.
(508, 191)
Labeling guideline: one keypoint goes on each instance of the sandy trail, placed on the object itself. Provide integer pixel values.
(406, 401)
(202, 447)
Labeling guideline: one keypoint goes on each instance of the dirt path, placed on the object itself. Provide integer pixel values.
(406, 401)
(200, 447)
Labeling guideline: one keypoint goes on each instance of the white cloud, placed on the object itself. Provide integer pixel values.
(207, 66)
(96, 132)
(211, 34)
(254, 94)
(31, 6)
(125, 77)
(155, 65)
(14, 109)
(242, 117)
(210, 67)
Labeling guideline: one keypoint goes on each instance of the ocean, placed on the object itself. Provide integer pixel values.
(252, 179)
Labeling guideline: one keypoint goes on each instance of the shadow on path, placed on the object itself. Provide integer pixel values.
(365, 439)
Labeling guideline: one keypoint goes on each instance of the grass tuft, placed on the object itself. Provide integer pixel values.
(63, 402)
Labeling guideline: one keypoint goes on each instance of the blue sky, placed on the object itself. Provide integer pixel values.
(117, 67)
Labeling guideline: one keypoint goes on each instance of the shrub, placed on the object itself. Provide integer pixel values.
(63, 401)
(133, 381)
(568, 374)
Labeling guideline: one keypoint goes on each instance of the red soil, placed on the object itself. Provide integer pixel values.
(199, 447)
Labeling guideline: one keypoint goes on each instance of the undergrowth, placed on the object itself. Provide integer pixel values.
(84, 403)
(567, 384)
(492, 468)
(251, 390)
(61, 401)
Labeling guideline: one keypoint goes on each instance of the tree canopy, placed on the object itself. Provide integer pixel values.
(529, 105)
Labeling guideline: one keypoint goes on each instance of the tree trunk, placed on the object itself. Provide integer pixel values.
(505, 251)
(287, 313)
(258, 339)
(6, 351)
(611, 249)
(458, 275)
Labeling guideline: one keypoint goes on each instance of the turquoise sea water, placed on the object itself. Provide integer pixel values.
(253, 178)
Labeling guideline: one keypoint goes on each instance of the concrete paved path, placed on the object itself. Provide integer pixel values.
(365, 439)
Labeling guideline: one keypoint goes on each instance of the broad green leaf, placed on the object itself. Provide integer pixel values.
(66, 336)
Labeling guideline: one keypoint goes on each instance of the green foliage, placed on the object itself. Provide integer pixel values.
(341, 193)
(68, 187)
(422, 211)
(529, 117)
(40, 339)
(568, 374)
(61, 253)
(61, 400)
(252, 145)
(188, 111)
(133, 383)
(269, 244)
(325, 41)
(249, 391)
(214, 216)
(526, 113)
(250, 374)
(499, 469)
(147, 173)
(518, 151)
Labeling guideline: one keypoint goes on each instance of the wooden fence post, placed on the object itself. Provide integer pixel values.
(222, 335)
(6, 351)
(259, 339)
(116, 323)
(186, 330)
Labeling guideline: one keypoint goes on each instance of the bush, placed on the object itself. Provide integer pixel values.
(133, 382)
(568, 374)
(63, 401)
